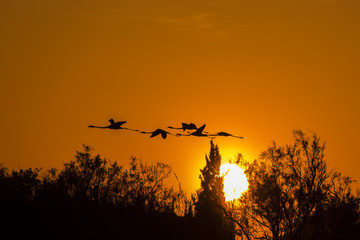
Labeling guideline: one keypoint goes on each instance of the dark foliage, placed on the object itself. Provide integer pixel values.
(292, 195)
(211, 200)
(93, 198)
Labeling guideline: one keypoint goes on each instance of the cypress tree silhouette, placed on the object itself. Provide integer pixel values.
(211, 200)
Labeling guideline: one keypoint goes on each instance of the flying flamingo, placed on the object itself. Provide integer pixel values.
(114, 125)
(198, 133)
(158, 131)
(225, 134)
(185, 126)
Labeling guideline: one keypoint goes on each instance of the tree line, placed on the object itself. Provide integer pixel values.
(292, 195)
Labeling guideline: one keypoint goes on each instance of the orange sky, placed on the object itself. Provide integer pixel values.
(257, 69)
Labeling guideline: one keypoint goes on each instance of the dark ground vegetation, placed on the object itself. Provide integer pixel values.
(292, 195)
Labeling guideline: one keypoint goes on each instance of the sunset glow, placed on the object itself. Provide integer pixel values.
(227, 64)
(235, 181)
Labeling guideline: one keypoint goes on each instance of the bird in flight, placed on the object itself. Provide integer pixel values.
(114, 125)
(158, 131)
(198, 133)
(225, 134)
(185, 126)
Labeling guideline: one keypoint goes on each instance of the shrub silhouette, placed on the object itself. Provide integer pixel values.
(292, 195)
(92, 198)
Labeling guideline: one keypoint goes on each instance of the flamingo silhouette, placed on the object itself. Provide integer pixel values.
(225, 134)
(114, 125)
(185, 126)
(198, 133)
(158, 131)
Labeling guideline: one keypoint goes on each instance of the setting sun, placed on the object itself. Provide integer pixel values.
(235, 181)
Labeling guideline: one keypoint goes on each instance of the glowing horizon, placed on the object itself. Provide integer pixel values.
(256, 69)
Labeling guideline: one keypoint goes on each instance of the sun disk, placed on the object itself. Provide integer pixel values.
(235, 181)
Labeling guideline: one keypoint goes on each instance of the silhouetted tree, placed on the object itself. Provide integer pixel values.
(144, 187)
(89, 178)
(211, 200)
(93, 198)
(291, 195)
(339, 216)
(289, 189)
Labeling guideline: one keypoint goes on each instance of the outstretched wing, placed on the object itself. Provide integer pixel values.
(200, 129)
(155, 133)
(159, 131)
(190, 126)
(225, 134)
(164, 134)
(120, 123)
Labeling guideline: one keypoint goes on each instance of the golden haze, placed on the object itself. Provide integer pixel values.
(257, 69)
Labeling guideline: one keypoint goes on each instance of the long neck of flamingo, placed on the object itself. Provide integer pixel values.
(99, 127)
